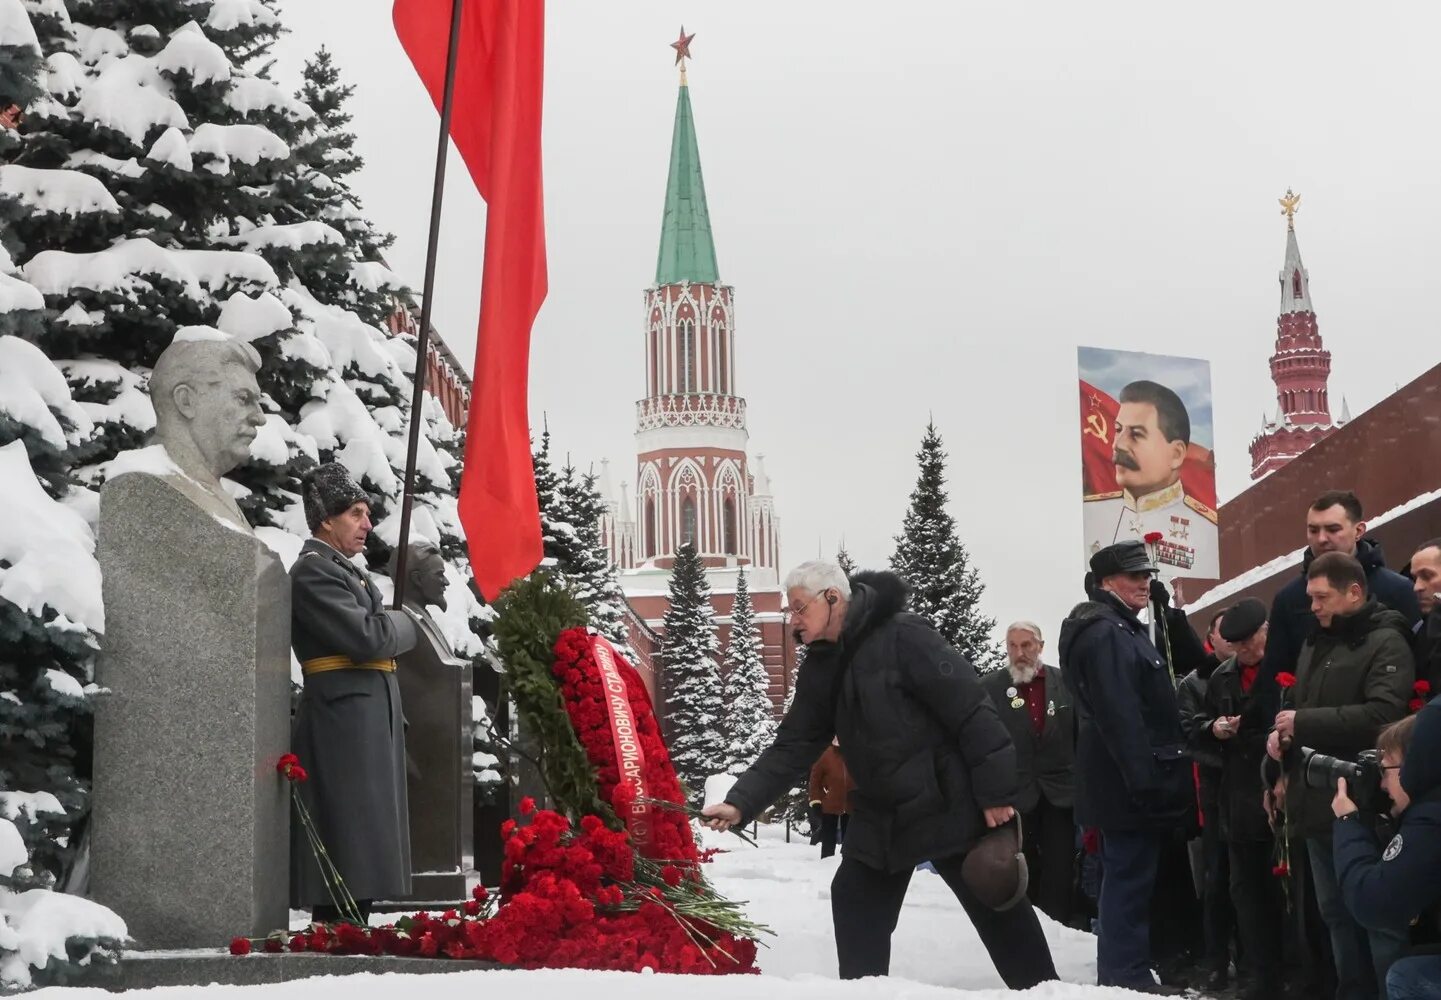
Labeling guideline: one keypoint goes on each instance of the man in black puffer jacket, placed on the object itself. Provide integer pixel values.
(933, 766)
(1133, 776)
(1354, 677)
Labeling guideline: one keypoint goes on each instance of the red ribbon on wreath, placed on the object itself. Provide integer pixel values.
(629, 754)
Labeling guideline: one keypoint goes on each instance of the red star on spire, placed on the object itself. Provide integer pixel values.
(682, 46)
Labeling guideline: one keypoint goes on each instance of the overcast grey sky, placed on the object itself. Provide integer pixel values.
(925, 208)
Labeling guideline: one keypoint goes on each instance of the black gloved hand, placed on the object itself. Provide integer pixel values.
(1160, 593)
(815, 820)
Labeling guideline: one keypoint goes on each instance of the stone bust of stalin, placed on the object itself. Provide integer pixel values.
(207, 412)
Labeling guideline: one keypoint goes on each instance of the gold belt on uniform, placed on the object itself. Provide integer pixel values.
(322, 664)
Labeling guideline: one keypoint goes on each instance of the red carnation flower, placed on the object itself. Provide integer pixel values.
(1281, 870)
(472, 907)
(240, 946)
(671, 875)
(1286, 679)
(480, 892)
(274, 944)
(298, 943)
(1422, 687)
(527, 806)
(1417, 704)
(289, 768)
(1152, 537)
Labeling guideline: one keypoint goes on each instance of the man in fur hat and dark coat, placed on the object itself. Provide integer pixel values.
(1133, 775)
(933, 766)
(349, 732)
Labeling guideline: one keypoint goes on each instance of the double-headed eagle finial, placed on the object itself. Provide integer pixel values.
(1290, 204)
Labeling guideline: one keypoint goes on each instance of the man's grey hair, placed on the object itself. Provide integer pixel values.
(1025, 626)
(195, 363)
(816, 576)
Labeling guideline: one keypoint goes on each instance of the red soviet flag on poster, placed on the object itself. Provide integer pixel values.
(495, 124)
(1098, 438)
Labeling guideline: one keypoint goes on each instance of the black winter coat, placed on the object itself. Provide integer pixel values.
(1427, 647)
(1401, 883)
(1352, 679)
(1046, 763)
(1292, 622)
(1190, 699)
(1238, 801)
(1132, 769)
(920, 738)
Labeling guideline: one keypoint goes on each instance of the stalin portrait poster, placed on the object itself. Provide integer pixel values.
(1147, 465)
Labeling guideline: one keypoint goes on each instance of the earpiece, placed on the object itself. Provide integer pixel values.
(830, 598)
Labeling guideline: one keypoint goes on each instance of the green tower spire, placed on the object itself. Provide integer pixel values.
(687, 252)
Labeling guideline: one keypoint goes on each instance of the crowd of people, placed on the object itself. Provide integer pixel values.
(1256, 810)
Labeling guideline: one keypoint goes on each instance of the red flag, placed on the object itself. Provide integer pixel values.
(496, 127)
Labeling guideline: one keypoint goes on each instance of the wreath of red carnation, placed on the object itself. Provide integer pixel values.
(599, 713)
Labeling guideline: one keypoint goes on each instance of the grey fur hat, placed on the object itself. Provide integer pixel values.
(328, 490)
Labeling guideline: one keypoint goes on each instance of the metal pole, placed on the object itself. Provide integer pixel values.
(422, 345)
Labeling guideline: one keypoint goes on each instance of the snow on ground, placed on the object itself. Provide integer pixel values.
(787, 887)
(936, 953)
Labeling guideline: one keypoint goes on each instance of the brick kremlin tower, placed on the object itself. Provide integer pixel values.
(694, 481)
(1300, 367)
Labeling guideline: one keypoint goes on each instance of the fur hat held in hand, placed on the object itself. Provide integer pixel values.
(995, 869)
(329, 491)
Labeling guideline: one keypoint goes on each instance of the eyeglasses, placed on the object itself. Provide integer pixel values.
(790, 614)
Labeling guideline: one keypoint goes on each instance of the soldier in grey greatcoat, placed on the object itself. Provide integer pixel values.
(349, 731)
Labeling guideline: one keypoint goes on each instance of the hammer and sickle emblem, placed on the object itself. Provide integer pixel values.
(1095, 426)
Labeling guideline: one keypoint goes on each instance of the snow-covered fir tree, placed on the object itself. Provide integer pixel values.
(845, 562)
(794, 808)
(570, 510)
(929, 556)
(691, 681)
(160, 182)
(50, 608)
(595, 576)
(748, 724)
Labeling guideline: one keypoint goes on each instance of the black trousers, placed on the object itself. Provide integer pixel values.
(1049, 841)
(1256, 894)
(1217, 907)
(866, 903)
(833, 831)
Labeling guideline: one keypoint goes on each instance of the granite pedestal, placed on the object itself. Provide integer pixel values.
(435, 690)
(190, 842)
(148, 971)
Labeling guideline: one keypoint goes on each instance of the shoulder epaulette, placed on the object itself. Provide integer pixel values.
(1201, 509)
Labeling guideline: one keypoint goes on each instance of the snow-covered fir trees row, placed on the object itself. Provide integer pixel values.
(161, 180)
(718, 714)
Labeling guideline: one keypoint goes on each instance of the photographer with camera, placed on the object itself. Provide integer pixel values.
(1353, 677)
(1390, 886)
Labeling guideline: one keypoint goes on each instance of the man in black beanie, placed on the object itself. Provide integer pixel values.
(1234, 726)
(1133, 777)
(349, 732)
